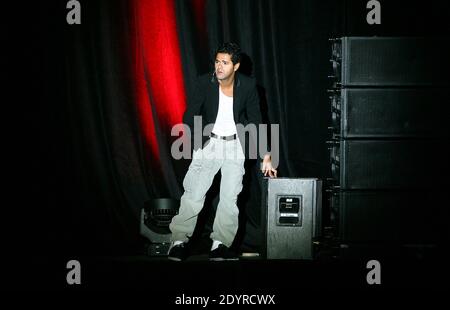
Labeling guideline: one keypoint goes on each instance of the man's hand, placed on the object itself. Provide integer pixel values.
(267, 168)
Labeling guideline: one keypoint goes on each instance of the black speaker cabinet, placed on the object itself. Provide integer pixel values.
(407, 217)
(388, 164)
(292, 217)
(366, 113)
(391, 61)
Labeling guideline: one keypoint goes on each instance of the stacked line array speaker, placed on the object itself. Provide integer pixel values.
(389, 114)
(370, 113)
(391, 61)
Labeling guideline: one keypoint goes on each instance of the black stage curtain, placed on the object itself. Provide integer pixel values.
(91, 157)
(90, 166)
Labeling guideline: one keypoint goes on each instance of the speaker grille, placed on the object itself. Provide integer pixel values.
(390, 113)
(395, 61)
(389, 216)
(395, 164)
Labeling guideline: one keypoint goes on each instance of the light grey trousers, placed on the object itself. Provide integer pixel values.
(226, 156)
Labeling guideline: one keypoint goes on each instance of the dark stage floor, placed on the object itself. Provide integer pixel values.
(335, 267)
(247, 276)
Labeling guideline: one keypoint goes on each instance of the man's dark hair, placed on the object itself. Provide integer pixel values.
(232, 49)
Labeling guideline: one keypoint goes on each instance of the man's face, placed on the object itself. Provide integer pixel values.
(224, 66)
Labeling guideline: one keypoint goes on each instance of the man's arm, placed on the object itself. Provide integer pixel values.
(254, 117)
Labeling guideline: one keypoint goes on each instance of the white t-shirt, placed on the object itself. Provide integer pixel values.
(225, 125)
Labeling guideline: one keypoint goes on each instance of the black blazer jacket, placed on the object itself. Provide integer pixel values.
(205, 102)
